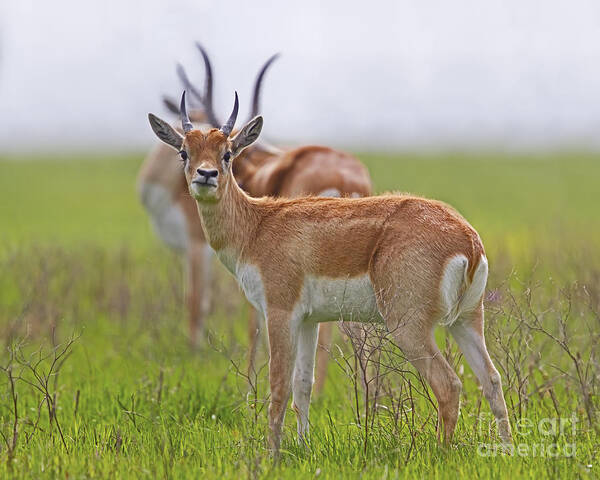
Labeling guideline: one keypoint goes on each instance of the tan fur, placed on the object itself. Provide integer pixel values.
(310, 170)
(401, 242)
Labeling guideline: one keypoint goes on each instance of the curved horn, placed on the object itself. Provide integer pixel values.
(258, 85)
(207, 99)
(206, 104)
(185, 120)
(228, 127)
(187, 85)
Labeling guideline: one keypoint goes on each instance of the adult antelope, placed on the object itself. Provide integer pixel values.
(410, 262)
(264, 171)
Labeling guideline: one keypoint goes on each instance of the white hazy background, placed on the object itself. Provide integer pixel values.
(383, 74)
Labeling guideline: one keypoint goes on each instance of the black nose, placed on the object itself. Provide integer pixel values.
(213, 172)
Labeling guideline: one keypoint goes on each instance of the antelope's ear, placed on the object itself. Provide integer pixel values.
(247, 135)
(165, 132)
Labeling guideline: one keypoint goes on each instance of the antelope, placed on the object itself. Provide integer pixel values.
(407, 261)
(261, 171)
(309, 170)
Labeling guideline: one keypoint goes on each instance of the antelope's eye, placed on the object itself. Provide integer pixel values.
(183, 154)
(227, 156)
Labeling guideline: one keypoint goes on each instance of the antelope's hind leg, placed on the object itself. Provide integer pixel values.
(412, 320)
(324, 346)
(419, 347)
(468, 333)
(198, 288)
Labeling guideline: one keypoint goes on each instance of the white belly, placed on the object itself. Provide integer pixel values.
(322, 299)
(349, 299)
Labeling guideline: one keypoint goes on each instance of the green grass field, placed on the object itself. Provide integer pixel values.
(129, 398)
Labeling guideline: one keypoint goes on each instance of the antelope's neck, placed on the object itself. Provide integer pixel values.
(230, 224)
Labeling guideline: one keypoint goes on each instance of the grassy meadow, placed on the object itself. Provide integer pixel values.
(98, 380)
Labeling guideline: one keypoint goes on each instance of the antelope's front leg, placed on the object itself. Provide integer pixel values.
(253, 339)
(304, 374)
(283, 333)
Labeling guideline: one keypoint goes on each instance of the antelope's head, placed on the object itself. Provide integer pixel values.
(207, 155)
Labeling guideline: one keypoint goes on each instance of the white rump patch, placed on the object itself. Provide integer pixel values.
(457, 294)
(330, 192)
(167, 218)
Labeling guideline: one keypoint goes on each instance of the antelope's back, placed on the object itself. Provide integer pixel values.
(312, 170)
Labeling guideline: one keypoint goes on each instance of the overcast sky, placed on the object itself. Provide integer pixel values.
(378, 74)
